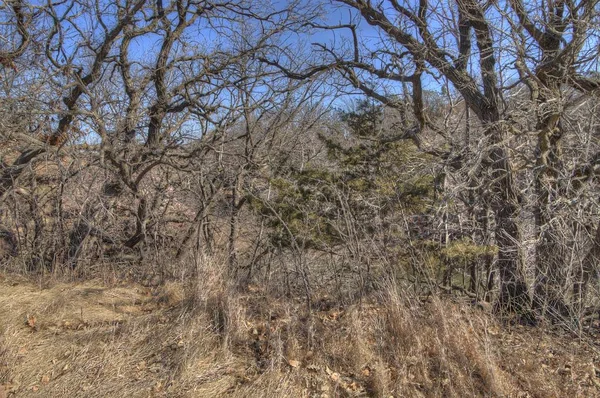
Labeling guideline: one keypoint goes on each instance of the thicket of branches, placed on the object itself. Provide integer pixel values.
(141, 136)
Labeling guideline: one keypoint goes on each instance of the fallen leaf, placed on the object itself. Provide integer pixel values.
(293, 363)
(253, 288)
(334, 315)
(158, 386)
(31, 320)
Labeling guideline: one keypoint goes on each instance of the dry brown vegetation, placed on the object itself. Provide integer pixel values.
(204, 339)
(196, 202)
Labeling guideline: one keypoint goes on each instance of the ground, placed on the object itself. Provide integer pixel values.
(100, 339)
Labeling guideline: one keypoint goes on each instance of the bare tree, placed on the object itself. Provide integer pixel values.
(482, 52)
(150, 92)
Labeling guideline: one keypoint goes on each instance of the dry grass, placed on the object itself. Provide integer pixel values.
(206, 339)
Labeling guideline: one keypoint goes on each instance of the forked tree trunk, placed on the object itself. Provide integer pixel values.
(504, 203)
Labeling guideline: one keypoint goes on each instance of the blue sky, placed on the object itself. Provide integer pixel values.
(213, 34)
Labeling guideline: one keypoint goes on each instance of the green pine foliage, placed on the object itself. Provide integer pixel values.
(371, 187)
(368, 177)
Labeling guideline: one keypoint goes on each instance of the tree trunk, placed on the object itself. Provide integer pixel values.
(233, 228)
(589, 268)
(514, 295)
(11, 173)
(550, 270)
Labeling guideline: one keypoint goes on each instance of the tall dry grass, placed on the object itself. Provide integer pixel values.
(207, 337)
